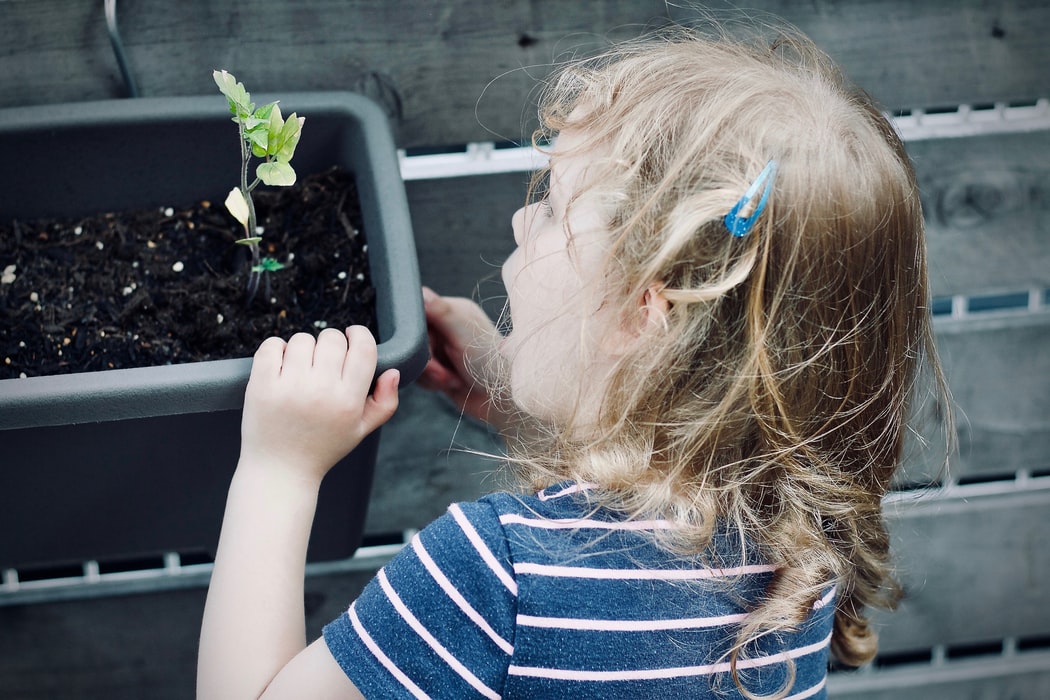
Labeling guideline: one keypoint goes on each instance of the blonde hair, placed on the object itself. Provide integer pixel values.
(773, 399)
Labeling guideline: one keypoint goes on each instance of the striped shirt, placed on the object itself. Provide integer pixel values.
(548, 597)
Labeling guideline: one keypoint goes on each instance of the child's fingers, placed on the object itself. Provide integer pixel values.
(383, 403)
(438, 312)
(330, 351)
(268, 359)
(298, 356)
(437, 377)
(359, 363)
(456, 318)
(457, 330)
(358, 370)
(429, 298)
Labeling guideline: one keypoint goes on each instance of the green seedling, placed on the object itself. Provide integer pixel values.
(268, 265)
(267, 135)
(265, 266)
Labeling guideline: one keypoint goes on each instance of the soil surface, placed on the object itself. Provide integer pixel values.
(167, 286)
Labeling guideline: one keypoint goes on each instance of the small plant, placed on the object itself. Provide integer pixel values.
(265, 134)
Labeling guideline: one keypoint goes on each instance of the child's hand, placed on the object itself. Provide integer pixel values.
(307, 403)
(462, 346)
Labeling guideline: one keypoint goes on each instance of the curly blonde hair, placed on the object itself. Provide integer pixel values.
(773, 400)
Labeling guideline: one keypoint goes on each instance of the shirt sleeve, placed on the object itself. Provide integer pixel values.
(437, 620)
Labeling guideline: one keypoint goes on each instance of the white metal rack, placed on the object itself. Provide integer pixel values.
(484, 158)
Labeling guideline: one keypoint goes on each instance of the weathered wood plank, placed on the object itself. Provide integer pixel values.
(986, 202)
(1025, 676)
(463, 233)
(987, 207)
(128, 647)
(981, 555)
(999, 373)
(429, 63)
(909, 54)
(459, 71)
(427, 460)
(998, 369)
(974, 570)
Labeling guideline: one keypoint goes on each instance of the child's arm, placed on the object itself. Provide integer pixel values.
(307, 404)
(463, 357)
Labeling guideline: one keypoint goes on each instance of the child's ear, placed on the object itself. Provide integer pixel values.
(648, 313)
(653, 307)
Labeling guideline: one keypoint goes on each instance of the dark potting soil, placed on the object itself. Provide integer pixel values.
(168, 286)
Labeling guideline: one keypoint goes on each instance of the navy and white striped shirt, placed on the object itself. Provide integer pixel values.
(547, 597)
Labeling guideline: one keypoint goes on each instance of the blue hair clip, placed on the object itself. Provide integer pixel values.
(740, 226)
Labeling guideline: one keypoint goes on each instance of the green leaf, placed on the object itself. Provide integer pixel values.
(263, 113)
(236, 95)
(237, 205)
(251, 240)
(268, 265)
(259, 140)
(253, 123)
(289, 138)
(273, 129)
(276, 173)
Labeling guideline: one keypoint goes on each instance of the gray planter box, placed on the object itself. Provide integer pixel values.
(136, 462)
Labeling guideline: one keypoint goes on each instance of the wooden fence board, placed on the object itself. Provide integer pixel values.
(998, 370)
(924, 54)
(974, 570)
(463, 233)
(120, 648)
(427, 460)
(987, 205)
(428, 63)
(1022, 677)
(431, 62)
(986, 202)
(129, 647)
(999, 367)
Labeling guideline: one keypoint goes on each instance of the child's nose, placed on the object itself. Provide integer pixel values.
(518, 223)
(522, 220)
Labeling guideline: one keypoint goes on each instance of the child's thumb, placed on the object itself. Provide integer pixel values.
(382, 404)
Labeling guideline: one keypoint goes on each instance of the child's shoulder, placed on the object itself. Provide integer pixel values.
(562, 501)
(578, 512)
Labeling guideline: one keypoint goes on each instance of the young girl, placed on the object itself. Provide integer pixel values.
(719, 310)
